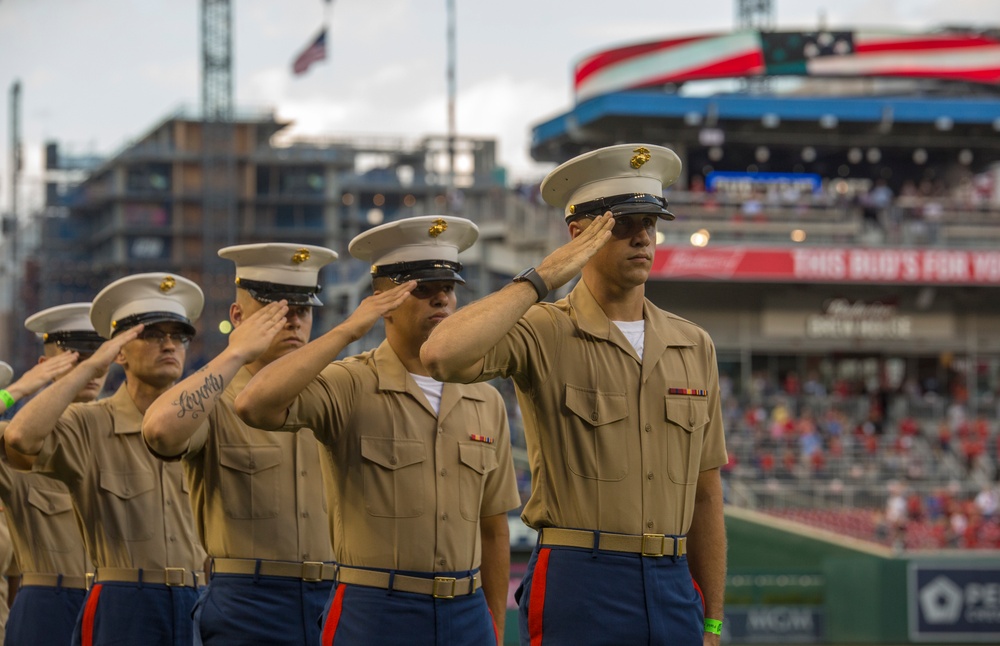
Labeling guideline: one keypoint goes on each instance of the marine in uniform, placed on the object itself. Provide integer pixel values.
(622, 417)
(258, 497)
(136, 516)
(421, 474)
(48, 544)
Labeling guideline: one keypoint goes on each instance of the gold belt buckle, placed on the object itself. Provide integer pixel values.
(444, 581)
(312, 571)
(650, 537)
(174, 576)
(88, 579)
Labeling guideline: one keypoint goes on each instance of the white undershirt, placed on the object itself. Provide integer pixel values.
(432, 390)
(635, 332)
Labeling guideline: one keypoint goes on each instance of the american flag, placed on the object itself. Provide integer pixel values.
(316, 51)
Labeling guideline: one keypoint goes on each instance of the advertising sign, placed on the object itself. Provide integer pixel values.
(954, 603)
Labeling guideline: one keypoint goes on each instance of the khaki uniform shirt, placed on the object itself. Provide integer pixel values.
(615, 443)
(6, 565)
(257, 494)
(44, 528)
(408, 486)
(134, 507)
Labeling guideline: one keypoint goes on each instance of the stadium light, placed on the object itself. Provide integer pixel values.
(700, 238)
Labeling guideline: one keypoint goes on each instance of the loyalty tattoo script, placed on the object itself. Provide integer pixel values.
(194, 402)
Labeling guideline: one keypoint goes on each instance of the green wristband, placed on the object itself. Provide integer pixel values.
(7, 398)
(713, 626)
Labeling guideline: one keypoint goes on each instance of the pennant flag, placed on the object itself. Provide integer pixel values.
(315, 52)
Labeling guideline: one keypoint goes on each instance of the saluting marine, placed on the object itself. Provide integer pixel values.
(136, 516)
(258, 497)
(421, 474)
(622, 418)
(47, 537)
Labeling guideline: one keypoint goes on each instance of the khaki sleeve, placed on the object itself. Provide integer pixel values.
(66, 453)
(325, 405)
(529, 346)
(500, 494)
(6, 479)
(713, 448)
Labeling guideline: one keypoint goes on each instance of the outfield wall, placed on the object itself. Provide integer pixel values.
(789, 583)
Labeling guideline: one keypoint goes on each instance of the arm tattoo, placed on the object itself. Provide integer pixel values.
(194, 402)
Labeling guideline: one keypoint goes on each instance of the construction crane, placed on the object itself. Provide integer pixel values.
(219, 189)
(755, 14)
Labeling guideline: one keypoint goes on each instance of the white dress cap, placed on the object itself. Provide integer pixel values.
(146, 298)
(638, 169)
(72, 317)
(276, 271)
(420, 248)
(67, 325)
(6, 374)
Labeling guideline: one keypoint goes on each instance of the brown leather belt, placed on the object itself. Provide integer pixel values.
(54, 580)
(303, 570)
(642, 544)
(440, 587)
(171, 576)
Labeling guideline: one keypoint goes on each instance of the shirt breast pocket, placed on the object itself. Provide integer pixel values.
(686, 419)
(478, 460)
(134, 508)
(52, 508)
(393, 476)
(594, 435)
(251, 488)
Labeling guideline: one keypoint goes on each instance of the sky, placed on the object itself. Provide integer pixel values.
(96, 74)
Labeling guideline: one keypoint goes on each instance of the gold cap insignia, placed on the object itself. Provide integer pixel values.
(237, 280)
(167, 284)
(572, 209)
(45, 337)
(641, 157)
(114, 324)
(438, 228)
(300, 256)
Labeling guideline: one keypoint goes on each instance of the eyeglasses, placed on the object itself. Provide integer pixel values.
(627, 227)
(153, 334)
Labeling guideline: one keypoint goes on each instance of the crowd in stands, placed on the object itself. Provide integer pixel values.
(877, 465)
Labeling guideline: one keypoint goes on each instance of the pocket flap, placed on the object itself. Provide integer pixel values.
(690, 413)
(481, 458)
(127, 485)
(50, 503)
(249, 458)
(595, 407)
(392, 453)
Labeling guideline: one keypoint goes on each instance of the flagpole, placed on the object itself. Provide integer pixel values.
(450, 5)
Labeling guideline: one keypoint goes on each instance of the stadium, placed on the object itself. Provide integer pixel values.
(837, 233)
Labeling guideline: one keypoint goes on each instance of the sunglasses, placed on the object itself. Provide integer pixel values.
(153, 334)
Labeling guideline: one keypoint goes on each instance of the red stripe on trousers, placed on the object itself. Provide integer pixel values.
(496, 629)
(333, 618)
(87, 629)
(536, 604)
(700, 594)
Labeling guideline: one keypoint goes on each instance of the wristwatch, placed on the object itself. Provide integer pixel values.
(531, 276)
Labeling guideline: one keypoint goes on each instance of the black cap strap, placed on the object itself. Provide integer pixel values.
(399, 272)
(148, 318)
(264, 287)
(626, 203)
(77, 340)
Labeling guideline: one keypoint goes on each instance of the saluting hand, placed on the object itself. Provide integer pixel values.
(108, 352)
(560, 266)
(255, 333)
(374, 307)
(42, 374)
